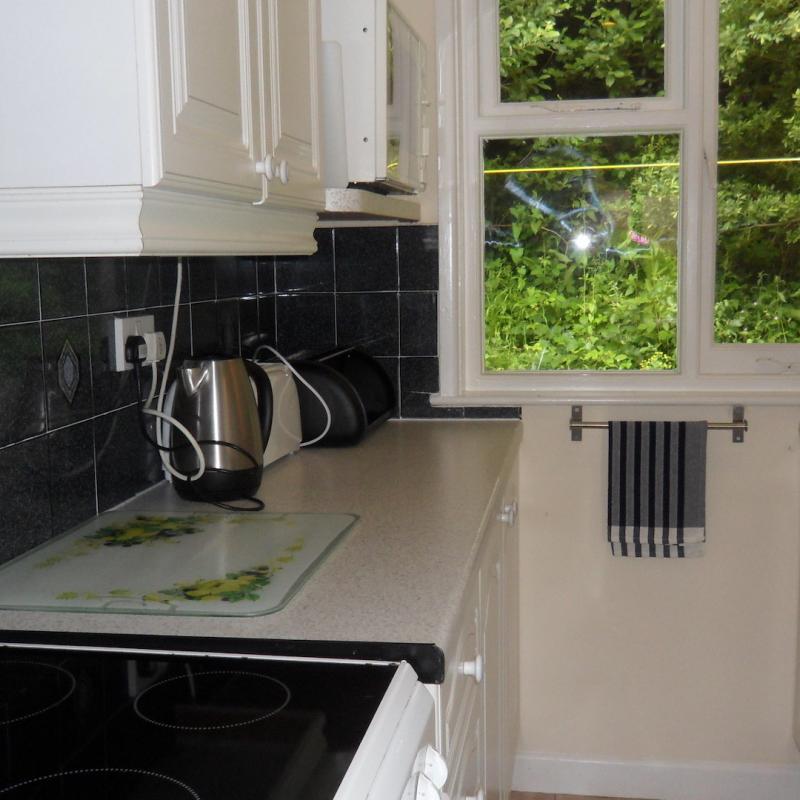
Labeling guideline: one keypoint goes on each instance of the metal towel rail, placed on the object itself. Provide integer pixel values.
(737, 426)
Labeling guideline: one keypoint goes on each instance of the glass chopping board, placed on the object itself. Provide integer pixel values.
(204, 564)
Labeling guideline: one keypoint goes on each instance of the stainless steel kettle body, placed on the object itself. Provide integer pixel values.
(214, 400)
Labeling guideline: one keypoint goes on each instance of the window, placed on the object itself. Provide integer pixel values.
(619, 199)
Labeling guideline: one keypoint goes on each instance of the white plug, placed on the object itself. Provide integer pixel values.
(155, 347)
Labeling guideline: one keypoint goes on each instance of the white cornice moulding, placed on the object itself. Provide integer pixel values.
(709, 780)
(173, 223)
(70, 221)
(127, 221)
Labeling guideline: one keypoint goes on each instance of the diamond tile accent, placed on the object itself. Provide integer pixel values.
(69, 371)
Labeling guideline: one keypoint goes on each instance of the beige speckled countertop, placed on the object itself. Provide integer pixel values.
(421, 490)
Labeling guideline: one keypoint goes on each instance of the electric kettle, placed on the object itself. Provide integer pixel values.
(214, 399)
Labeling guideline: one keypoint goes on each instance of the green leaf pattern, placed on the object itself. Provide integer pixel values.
(233, 587)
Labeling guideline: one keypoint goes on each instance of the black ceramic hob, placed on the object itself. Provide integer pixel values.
(115, 726)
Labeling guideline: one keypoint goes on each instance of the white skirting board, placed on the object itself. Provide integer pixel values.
(702, 780)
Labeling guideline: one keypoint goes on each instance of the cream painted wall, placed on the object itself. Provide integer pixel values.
(661, 660)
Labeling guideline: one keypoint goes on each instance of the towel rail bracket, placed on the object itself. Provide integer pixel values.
(737, 426)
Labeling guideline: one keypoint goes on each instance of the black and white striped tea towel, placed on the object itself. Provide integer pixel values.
(657, 489)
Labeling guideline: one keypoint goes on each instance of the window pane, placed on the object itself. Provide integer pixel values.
(581, 253)
(580, 49)
(758, 198)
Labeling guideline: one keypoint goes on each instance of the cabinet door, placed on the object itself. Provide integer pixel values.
(510, 630)
(491, 632)
(207, 90)
(289, 86)
(465, 781)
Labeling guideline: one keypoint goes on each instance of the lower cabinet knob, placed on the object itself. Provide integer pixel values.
(509, 513)
(421, 788)
(473, 668)
(283, 171)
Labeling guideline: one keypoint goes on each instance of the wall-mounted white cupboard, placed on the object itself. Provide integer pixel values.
(159, 126)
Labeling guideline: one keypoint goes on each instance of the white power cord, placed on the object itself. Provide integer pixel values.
(307, 385)
(158, 412)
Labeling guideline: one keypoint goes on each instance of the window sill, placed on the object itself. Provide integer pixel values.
(522, 397)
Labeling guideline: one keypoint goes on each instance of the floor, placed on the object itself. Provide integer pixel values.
(537, 796)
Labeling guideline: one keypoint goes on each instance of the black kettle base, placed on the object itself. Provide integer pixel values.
(219, 485)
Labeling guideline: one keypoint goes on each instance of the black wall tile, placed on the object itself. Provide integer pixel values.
(215, 328)
(301, 274)
(202, 283)
(69, 336)
(248, 326)
(266, 320)
(228, 337)
(19, 291)
(418, 250)
(391, 366)
(73, 493)
(419, 378)
(366, 259)
(368, 320)
(265, 269)
(62, 284)
(143, 282)
(418, 320)
(126, 463)
(493, 412)
(305, 322)
(22, 397)
(236, 276)
(204, 329)
(24, 487)
(313, 273)
(105, 284)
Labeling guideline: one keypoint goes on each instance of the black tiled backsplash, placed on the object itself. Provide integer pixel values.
(71, 447)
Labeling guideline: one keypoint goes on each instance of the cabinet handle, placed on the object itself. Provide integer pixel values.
(474, 668)
(267, 168)
(509, 513)
(283, 171)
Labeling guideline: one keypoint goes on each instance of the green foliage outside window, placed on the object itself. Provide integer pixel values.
(549, 306)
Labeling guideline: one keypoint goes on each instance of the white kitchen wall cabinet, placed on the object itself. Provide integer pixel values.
(478, 702)
(289, 76)
(152, 126)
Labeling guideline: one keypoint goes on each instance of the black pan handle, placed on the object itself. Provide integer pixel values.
(263, 398)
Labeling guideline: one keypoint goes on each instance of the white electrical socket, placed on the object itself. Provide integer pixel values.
(136, 326)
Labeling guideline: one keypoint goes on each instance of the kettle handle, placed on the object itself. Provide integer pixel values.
(263, 398)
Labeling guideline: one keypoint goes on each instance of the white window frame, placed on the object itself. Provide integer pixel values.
(469, 110)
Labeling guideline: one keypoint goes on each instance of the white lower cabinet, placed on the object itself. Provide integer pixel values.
(478, 701)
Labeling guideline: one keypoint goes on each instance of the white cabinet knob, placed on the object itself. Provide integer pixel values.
(283, 171)
(419, 787)
(431, 764)
(509, 513)
(266, 168)
(479, 796)
(474, 668)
